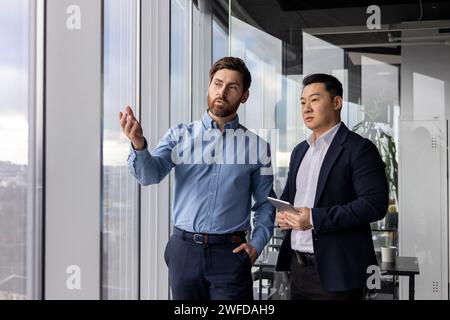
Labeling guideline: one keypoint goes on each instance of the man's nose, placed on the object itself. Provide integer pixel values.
(306, 108)
(222, 92)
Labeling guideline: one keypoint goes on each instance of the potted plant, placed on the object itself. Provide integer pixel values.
(381, 135)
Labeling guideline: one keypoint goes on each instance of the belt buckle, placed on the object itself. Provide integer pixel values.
(204, 238)
(235, 239)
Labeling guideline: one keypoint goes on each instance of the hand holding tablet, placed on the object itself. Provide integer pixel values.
(282, 205)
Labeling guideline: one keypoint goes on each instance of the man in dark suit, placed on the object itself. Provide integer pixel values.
(337, 183)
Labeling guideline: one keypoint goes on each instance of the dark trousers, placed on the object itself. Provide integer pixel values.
(306, 285)
(204, 272)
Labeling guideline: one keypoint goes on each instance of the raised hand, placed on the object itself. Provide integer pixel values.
(132, 128)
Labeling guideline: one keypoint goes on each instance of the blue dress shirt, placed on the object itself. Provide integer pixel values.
(216, 175)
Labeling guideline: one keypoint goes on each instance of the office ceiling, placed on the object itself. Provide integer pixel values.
(288, 19)
(294, 5)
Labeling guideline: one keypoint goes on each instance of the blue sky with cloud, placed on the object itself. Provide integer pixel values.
(14, 80)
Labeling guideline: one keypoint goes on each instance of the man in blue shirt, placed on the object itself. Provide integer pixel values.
(219, 166)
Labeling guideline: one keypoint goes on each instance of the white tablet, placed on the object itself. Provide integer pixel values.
(282, 205)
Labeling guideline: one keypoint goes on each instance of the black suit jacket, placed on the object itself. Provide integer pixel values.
(352, 192)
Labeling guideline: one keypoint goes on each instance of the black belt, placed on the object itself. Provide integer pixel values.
(305, 258)
(207, 238)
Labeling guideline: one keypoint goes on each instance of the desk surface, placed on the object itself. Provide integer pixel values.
(401, 266)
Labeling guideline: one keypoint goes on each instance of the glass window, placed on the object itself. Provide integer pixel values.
(220, 41)
(189, 64)
(220, 45)
(120, 189)
(15, 190)
(180, 61)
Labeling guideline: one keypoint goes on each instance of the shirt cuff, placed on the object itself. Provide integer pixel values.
(255, 243)
(311, 222)
(138, 152)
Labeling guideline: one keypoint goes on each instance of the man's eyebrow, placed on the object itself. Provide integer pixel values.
(231, 83)
(314, 94)
(228, 84)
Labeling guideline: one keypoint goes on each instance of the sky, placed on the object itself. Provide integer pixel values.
(13, 81)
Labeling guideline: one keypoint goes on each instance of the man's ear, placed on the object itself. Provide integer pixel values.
(338, 103)
(245, 96)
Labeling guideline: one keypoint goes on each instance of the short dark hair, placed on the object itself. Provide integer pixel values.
(232, 63)
(332, 84)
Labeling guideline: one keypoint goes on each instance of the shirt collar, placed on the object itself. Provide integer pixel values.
(326, 138)
(209, 123)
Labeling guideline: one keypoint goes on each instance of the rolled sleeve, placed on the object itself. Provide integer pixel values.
(151, 167)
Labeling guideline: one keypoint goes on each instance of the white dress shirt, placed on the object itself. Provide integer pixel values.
(307, 177)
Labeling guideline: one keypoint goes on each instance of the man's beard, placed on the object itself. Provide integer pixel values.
(222, 112)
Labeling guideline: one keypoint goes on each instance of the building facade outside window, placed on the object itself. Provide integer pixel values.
(120, 191)
(16, 185)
